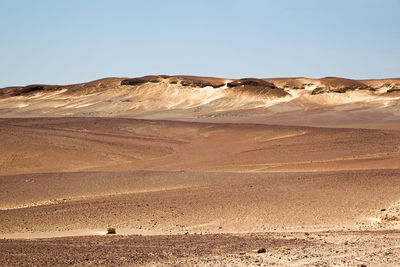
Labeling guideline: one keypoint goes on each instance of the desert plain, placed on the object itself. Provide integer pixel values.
(201, 171)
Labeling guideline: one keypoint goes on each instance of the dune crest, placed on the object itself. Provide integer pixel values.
(290, 101)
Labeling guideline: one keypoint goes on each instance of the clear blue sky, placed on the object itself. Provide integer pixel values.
(68, 41)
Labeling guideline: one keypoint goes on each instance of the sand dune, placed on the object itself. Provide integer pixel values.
(321, 102)
(79, 163)
(34, 145)
(199, 171)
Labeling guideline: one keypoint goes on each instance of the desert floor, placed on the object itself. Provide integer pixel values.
(192, 193)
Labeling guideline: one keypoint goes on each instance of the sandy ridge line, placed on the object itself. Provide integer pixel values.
(267, 166)
(79, 198)
(287, 136)
(135, 137)
(276, 138)
(382, 155)
(367, 157)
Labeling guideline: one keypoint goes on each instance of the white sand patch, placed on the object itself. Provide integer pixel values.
(382, 90)
(52, 234)
(84, 105)
(372, 219)
(22, 105)
(155, 98)
(60, 91)
(85, 197)
(85, 232)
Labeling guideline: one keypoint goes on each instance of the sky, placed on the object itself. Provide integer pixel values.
(71, 41)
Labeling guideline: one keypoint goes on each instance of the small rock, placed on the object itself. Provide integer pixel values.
(389, 218)
(261, 250)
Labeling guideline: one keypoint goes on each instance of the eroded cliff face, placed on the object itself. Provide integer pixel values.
(204, 98)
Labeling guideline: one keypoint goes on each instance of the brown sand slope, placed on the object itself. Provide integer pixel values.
(233, 188)
(80, 144)
(165, 177)
(204, 191)
(169, 202)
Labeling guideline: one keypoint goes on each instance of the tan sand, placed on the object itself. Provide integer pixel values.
(227, 174)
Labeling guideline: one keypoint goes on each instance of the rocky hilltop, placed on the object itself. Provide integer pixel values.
(337, 85)
(274, 87)
(204, 98)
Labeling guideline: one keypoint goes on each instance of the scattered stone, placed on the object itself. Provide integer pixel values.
(261, 250)
(388, 218)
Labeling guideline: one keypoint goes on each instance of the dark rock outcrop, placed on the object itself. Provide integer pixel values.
(257, 86)
(195, 82)
(73, 89)
(393, 90)
(339, 85)
(291, 83)
(274, 87)
(192, 81)
(26, 90)
(142, 80)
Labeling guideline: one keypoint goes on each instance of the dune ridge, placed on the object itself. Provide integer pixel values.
(323, 85)
(215, 99)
